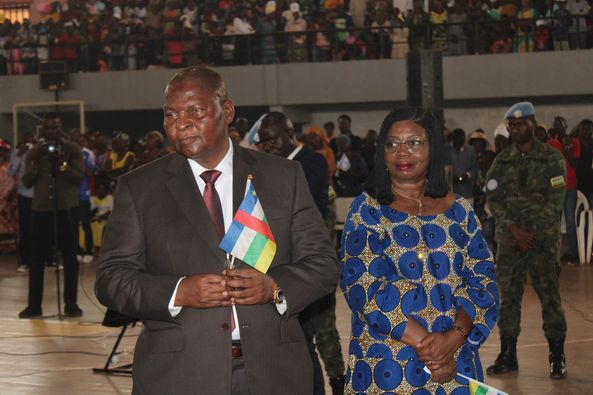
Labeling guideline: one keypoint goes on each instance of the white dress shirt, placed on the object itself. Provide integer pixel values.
(224, 188)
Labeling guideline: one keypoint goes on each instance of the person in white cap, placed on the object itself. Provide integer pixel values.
(297, 50)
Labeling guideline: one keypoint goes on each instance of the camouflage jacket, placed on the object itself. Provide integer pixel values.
(527, 189)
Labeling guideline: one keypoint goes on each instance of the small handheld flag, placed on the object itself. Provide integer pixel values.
(250, 237)
(476, 387)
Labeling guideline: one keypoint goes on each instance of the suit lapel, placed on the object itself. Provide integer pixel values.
(185, 192)
(242, 167)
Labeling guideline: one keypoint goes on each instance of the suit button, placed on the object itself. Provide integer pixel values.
(225, 327)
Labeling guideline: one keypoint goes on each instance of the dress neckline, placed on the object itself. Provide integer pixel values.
(428, 217)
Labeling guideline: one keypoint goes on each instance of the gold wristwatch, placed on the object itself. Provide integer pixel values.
(278, 296)
(63, 166)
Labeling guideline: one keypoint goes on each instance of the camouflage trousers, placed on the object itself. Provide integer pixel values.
(319, 323)
(327, 338)
(542, 263)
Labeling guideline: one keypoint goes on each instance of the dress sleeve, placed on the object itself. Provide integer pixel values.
(373, 289)
(477, 292)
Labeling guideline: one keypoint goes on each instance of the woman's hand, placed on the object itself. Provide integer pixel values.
(436, 350)
(444, 374)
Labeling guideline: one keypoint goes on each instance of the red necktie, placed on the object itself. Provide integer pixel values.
(214, 207)
(212, 201)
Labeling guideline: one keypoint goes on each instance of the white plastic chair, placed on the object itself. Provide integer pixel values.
(584, 221)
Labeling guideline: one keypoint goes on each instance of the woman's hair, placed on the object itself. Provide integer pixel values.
(379, 183)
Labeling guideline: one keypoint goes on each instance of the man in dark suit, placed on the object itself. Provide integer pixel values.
(277, 136)
(205, 330)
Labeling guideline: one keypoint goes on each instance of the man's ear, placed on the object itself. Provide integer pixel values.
(290, 133)
(229, 111)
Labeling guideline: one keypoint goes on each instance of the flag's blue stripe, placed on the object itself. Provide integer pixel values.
(232, 235)
(249, 201)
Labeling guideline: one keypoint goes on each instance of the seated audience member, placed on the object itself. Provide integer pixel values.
(570, 148)
(8, 216)
(121, 159)
(154, 148)
(584, 169)
(16, 169)
(101, 207)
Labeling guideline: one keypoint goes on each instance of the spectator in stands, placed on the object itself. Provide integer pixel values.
(418, 22)
(121, 159)
(85, 252)
(462, 158)
(524, 30)
(101, 207)
(342, 22)
(577, 35)
(367, 151)
(570, 148)
(322, 44)
(316, 140)
(70, 40)
(102, 154)
(27, 39)
(170, 16)
(562, 23)
(399, 35)
(379, 44)
(351, 170)
(501, 138)
(585, 162)
(344, 124)
(297, 49)
(457, 36)
(8, 205)
(439, 18)
(16, 169)
(243, 28)
(154, 148)
(267, 28)
(541, 36)
(541, 133)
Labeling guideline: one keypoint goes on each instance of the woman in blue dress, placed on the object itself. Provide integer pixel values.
(417, 273)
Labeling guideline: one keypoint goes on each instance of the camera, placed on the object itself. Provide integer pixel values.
(52, 147)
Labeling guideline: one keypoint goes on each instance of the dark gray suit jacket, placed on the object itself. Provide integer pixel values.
(160, 230)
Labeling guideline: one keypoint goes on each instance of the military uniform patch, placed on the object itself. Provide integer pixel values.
(492, 184)
(557, 182)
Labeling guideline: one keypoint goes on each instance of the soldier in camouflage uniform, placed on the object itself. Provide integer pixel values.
(525, 190)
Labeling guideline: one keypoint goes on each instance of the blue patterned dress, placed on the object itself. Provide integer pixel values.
(397, 266)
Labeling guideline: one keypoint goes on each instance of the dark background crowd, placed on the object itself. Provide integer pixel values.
(103, 35)
(349, 157)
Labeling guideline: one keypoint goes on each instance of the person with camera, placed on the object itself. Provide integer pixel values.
(54, 167)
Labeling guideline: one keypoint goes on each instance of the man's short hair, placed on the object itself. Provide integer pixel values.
(345, 116)
(208, 78)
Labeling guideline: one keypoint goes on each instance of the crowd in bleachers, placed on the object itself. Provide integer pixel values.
(102, 35)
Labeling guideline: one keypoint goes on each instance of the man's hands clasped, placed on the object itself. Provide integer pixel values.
(234, 286)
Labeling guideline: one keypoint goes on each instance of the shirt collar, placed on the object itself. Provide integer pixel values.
(225, 166)
(294, 152)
